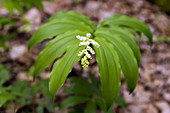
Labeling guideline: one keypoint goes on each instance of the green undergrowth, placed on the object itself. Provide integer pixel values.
(23, 94)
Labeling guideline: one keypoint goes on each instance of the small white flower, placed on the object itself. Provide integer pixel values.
(88, 35)
(84, 38)
(78, 36)
(80, 53)
(86, 42)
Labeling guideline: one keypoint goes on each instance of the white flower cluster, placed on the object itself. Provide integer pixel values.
(87, 42)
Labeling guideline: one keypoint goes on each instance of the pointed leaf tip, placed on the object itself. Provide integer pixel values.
(131, 91)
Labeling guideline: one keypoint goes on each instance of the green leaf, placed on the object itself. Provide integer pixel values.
(100, 103)
(5, 38)
(109, 111)
(28, 3)
(94, 80)
(53, 28)
(40, 109)
(30, 71)
(63, 67)
(77, 109)
(109, 69)
(163, 39)
(26, 95)
(4, 75)
(5, 97)
(73, 100)
(38, 3)
(79, 84)
(41, 102)
(126, 21)
(18, 5)
(121, 102)
(8, 4)
(90, 107)
(41, 86)
(127, 59)
(72, 15)
(69, 90)
(125, 35)
(54, 49)
(50, 105)
(7, 21)
(35, 88)
(44, 87)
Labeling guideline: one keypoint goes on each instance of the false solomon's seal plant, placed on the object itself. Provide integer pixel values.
(112, 41)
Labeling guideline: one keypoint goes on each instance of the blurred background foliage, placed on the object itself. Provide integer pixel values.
(25, 96)
(163, 4)
(19, 5)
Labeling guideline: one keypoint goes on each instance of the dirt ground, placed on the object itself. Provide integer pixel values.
(152, 94)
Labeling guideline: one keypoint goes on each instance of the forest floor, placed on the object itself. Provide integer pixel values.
(152, 94)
